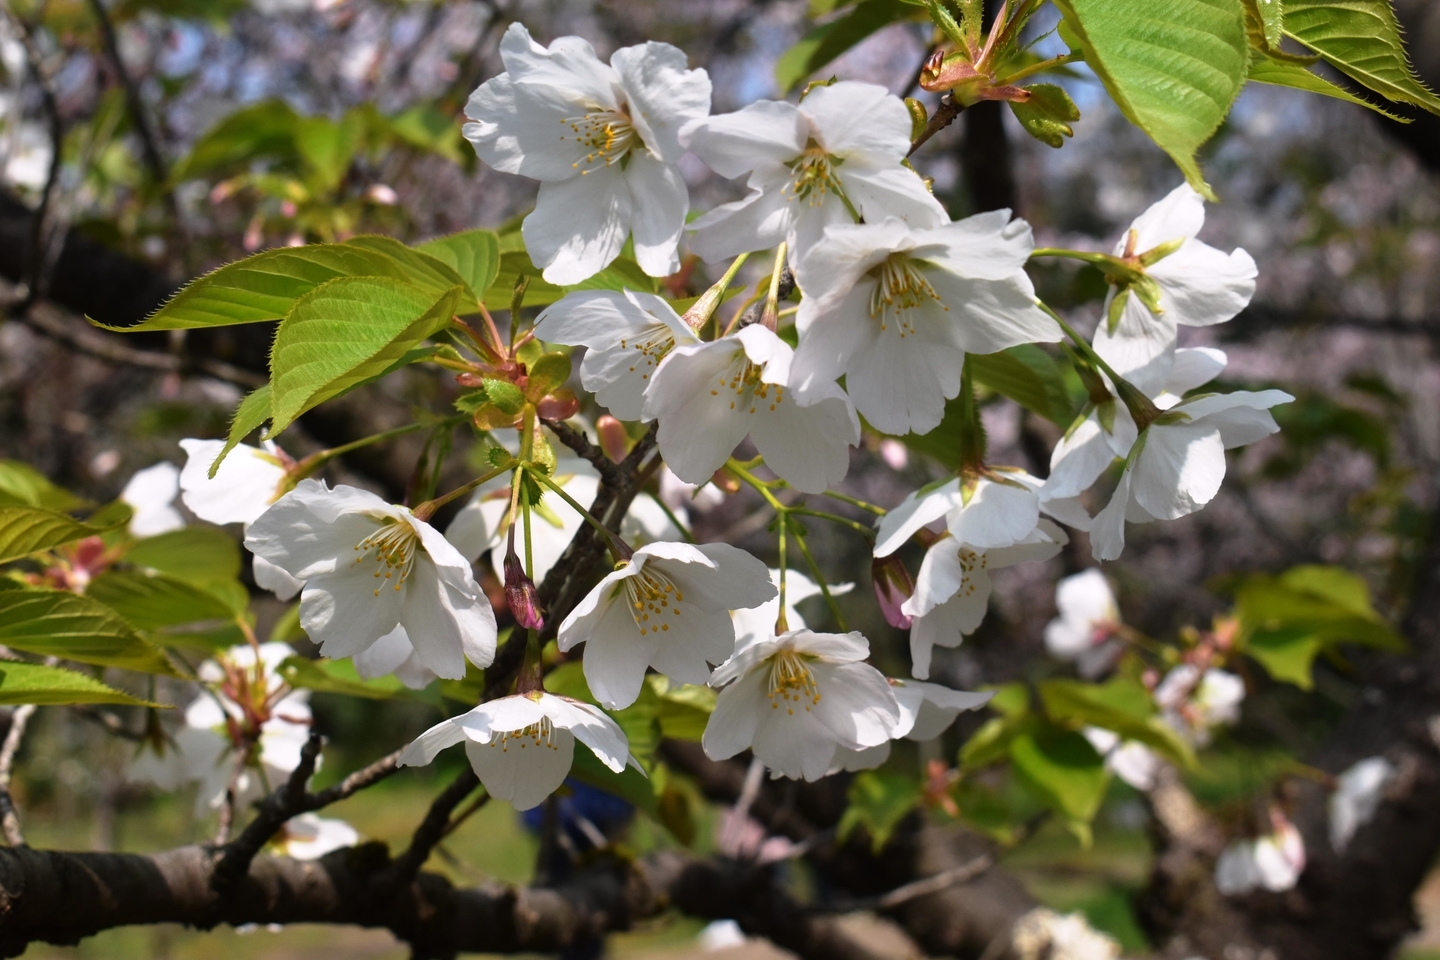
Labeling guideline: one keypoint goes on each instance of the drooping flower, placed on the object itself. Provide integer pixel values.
(708, 396)
(894, 309)
(835, 155)
(249, 480)
(626, 336)
(1178, 462)
(1272, 862)
(1357, 796)
(521, 747)
(151, 493)
(394, 654)
(997, 509)
(794, 698)
(952, 591)
(245, 702)
(603, 141)
(1107, 430)
(370, 566)
(1087, 621)
(1185, 282)
(667, 607)
(309, 837)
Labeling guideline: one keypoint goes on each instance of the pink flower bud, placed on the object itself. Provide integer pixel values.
(893, 587)
(613, 438)
(521, 596)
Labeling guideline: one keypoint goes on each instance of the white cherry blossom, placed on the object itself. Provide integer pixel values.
(1087, 621)
(894, 309)
(709, 396)
(834, 155)
(1195, 702)
(626, 336)
(1198, 286)
(521, 746)
(667, 607)
(370, 566)
(926, 711)
(1129, 760)
(248, 482)
(678, 494)
(150, 494)
(755, 624)
(952, 590)
(996, 509)
(1178, 462)
(603, 141)
(1272, 862)
(794, 698)
(1107, 431)
(310, 837)
(1357, 796)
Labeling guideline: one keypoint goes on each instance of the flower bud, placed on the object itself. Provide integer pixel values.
(613, 439)
(893, 587)
(521, 596)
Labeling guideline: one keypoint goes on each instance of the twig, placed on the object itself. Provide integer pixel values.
(136, 107)
(943, 116)
(9, 817)
(431, 830)
(581, 445)
(232, 791)
(48, 321)
(917, 888)
(357, 781)
(283, 803)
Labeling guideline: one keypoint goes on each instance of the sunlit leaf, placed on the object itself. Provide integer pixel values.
(59, 624)
(54, 686)
(1361, 39)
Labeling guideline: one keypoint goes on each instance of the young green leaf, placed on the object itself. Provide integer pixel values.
(53, 686)
(59, 624)
(1048, 113)
(1361, 39)
(21, 485)
(1173, 69)
(430, 274)
(1121, 705)
(338, 676)
(1283, 73)
(344, 333)
(473, 254)
(27, 530)
(250, 415)
(150, 600)
(1066, 770)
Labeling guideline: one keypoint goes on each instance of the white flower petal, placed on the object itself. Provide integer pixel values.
(1141, 348)
(244, 486)
(520, 770)
(664, 94)
(659, 200)
(1202, 286)
(579, 225)
(150, 493)
(277, 581)
(739, 710)
(425, 747)
(765, 133)
(850, 117)
(1179, 470)
(916, 511)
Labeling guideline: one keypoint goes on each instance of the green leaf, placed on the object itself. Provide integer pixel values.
(420, 269)
(1066, 770)
(197, 554)
(1287, 654)
(265, 129)
(1048, 113)
(548, 372)
(505, 395)
(344, 333)
(878, 801)
(27, 530)
(154, 601)
(1173, 69)
(827, 41)
(53, 686)
(338, 676)
(684, 708)
(630, 784)
(428, 127)
(59, 624)
(1122, 705)
(622, 274)
(328, 148)
(1361, 39)
(474, 255)
(1282, 73)
(1030, 377)
(250, 415)
(21, 485)
(1270, 14)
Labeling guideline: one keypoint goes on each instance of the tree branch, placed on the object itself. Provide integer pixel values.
(9, 817)
(432, 829)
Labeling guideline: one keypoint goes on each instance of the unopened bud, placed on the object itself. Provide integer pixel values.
(613, 439)
(893, 587)
(560, 405)
(521, 596)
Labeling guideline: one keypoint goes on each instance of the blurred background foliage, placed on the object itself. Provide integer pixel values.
(191, 132)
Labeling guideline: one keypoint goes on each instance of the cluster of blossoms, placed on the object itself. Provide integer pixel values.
(894, 297)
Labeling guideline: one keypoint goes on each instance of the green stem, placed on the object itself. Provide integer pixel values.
(770, 316)
(782, 621)
(702, 308)
(855, 502)
(619, 548)
(315, 461)
(1142, 408)
(972, 430)
(820, 581)
(855, 525)
(427, 509)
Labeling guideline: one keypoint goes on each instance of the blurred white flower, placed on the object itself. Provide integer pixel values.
(1129, 760)
(1195, 703)
(309, 837)
(244, 487)
(1272, 862)
(1087, 622)
(1358, 792)
(151, 494)
(754, 624)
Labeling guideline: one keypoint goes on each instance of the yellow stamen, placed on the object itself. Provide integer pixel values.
(394, 545)
(651, 591)
(608, 134)
(900, 287)
(792, 681)
(540, 735)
